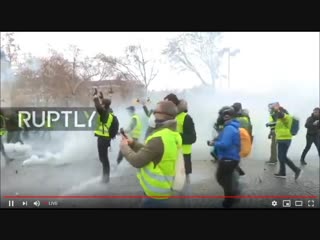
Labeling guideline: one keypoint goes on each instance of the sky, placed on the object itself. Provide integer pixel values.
(267, 60)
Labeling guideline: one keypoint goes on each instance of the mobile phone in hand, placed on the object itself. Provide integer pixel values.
(122, 133)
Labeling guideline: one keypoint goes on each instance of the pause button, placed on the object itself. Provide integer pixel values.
(11, 203)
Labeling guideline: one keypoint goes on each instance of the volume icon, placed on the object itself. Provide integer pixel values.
(36, 203)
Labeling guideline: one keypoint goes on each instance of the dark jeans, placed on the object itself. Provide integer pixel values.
(2, 150)
(226, 177)
(14, 137)
(238, 168)
(187, 163)
(103, 145)
(155, 203)
(283, 147)
(311, 139)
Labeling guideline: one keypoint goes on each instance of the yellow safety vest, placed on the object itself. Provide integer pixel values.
(186, 148)
(103, 128)
(23, 116)
(271, 121)
(136, 132)
(157, 181)
(244, 122)
(283, 128)
(3, 130)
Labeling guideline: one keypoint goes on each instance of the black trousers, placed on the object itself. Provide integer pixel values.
(187, 163)
(2, 150)
(311, 139)
(14, 137)
(103, 146)
(226, 177)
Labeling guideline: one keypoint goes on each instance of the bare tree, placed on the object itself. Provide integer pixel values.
(10, 47)
(134, 66)
(197, 52)
(75, 51)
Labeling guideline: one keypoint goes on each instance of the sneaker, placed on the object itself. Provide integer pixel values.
(303, 163)
(280, 175)
(271, 162)
(297, 174)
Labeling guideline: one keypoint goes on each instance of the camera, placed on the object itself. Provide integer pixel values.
(209, 143)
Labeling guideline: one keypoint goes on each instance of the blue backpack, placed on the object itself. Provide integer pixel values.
(295, 126)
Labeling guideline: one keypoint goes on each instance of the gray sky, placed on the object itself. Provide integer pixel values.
(267, 60)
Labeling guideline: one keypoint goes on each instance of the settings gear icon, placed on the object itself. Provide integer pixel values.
(274, 203)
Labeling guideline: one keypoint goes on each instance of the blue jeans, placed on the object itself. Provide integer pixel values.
(155, 203)
(283, 147)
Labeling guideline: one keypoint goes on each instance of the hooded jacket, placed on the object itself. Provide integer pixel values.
(228, 143)
(312, 129)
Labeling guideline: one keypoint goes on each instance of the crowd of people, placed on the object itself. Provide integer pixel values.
(171, 131)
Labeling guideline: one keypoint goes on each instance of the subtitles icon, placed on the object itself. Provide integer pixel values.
(286, 203)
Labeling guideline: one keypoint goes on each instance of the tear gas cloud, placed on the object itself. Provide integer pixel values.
(299, 97)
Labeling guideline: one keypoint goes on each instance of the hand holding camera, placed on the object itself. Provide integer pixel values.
(210, 143)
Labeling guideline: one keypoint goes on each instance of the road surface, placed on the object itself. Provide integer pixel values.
(82, 178)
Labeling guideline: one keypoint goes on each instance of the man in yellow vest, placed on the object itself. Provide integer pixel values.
(3, 132)
(272, 135)
(106, 122)
(14, 131)
(242, 115)
(134, 130)
(283, 138)
(157, 158)
(185, 127)
(150, 116)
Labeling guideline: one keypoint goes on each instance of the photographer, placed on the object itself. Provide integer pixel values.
(3, 132)
(227, 147)
(156, 159)
(107, 128)
(313, 134)
(272, 135)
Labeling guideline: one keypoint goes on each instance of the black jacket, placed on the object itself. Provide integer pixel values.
(104, 115)
(189, 135)
(312, 129)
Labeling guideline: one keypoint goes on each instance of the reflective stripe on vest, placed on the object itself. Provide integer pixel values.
(272, 121)
(103, 129)
(186, 148)
(136, 132)
(157, 181)
(3, 130)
